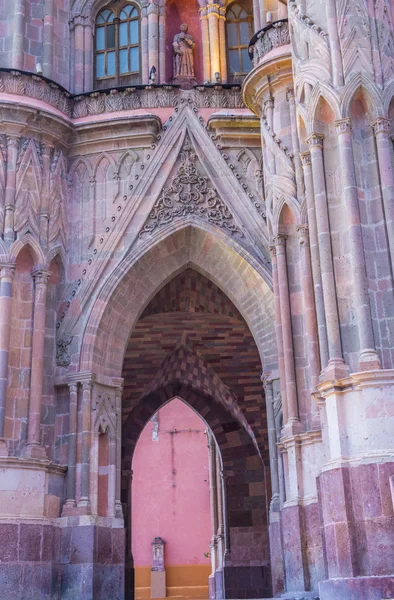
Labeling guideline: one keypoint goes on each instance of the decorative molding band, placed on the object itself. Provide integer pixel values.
(116, 99)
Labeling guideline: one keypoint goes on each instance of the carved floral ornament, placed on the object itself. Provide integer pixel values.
(190, 195)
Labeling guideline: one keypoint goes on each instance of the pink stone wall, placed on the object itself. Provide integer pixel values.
(171, 489)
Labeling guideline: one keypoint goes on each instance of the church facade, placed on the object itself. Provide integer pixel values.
(197, 202)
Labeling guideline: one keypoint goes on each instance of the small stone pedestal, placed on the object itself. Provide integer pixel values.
(158, 573)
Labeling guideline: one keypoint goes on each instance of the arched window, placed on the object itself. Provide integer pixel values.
(239, 27)
(118, 46)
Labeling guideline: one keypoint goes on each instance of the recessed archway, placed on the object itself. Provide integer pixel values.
(191, 342)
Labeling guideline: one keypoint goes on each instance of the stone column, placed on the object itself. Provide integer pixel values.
(295, 143)
(335, 48)
(221, 534)
(293, 420)
(72, 451)
(153, 37)
(79, 52)
(269, 111)
(44, 208)
(315, 257)
(10, 188)
(6, 278)
(118, 404)
(309, 307)
(144, 45)
(162, 43)
(381, 129)
(205, 44)
(257, 15)
(213, 507)
(47, 58)
(278, 332)
(273, 452)
(111, 474)
(368, 357)
(129, 566)
(33, 448)
(213, 24)
(18, 34)
(84, 502)
(88, 55)
(222, 44)
(336, 368)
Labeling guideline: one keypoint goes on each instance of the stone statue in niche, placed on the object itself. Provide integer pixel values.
(183, 45)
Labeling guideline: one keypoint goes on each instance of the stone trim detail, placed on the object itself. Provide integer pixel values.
(132, 98)
(189, 195)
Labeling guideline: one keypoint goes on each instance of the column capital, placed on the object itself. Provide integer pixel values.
(7, 271)
(290, 94)
(381, 125)
(12, 139)
(315, 140)
(305, 159)
(73, 387)
(40, 275)
(343, 126)
(269, 103)
(266, 378)
(272, 250)
(280, 240)
(303, 234)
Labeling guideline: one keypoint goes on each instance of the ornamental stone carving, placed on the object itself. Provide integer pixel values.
(190, 195)
(63, 358)
(274, 35)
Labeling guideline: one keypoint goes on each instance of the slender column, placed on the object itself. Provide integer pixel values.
(84, 502)
(273, 451)
(153, 41)
(48, 39)
(33, 448)
(309, 306)
(111, 475)
(72, 449)
(79, 50)
(10, 189)
(336, 362)
(213, 18)
(6, 278)
(381, 128)
(88, 56)
(278, 332)
(213, 498)
(118, 403)
(220, 530)
(295, 143)
(335, 48)
(162, 43)
(222, 44)
(288, 350)
(44, 209)
(144, 46)
(269, 111)
(257, 15)
(377, 65)
(368, 356)
(314, 248)
(205, 44)
(18, 34)
(282, 10)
